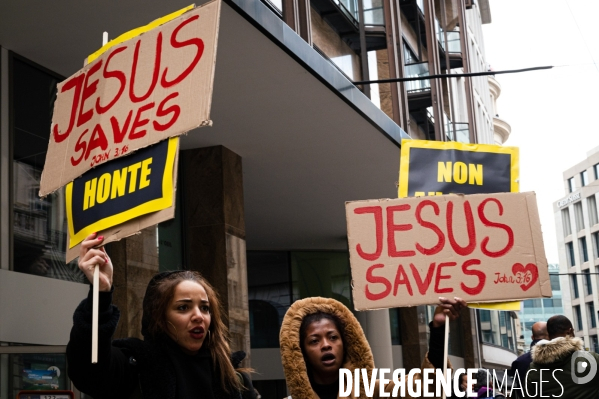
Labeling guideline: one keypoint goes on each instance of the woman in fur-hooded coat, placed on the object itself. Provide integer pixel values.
(356, 348)
(559, 363)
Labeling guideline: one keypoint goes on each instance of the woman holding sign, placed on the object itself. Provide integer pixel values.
(185, 351)
(320, 336)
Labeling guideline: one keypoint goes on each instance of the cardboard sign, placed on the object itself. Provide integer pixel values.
(142, 91)
(480, 247)
(121, 190)
(437, 168)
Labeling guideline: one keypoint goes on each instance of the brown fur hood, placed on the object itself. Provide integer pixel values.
(556, 350)
(357, 349)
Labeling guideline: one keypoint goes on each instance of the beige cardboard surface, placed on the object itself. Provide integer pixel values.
(149, 88)
(480, 247)
(132, 226)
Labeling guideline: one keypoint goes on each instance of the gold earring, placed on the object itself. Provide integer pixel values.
(176, 332)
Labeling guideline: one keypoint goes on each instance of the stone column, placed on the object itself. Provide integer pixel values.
(375, 324)
(214, 231)
(413, 340)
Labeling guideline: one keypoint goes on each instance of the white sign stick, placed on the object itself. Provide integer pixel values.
(96, 284)
(445, 347)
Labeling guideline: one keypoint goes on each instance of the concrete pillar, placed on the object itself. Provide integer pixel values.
(377, 329)
(135, 261)
(214, 231)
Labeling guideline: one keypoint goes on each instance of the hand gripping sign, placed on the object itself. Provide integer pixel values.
(137, 93)
(479, 247)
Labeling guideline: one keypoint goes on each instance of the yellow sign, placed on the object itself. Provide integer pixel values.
(121, 190)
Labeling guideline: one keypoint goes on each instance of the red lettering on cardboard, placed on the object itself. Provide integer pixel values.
(160, 112)
(378, 222)
(98, 140)
(196, 41)
(401, 278)
(80, 146)
(487, 222)
(439, 277)
(392, 228)
(423, 284)
(468, 249)
(155, 74)
(138, 123)
(440, 236)
(119, 133)
(119, 75)
(482, 277)
(88, 91)
(76, 82)
(376, 280)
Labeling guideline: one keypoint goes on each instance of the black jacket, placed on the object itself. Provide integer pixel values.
(126, 368)
(522, 364)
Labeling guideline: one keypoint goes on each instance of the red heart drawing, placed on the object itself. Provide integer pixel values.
(532, 268)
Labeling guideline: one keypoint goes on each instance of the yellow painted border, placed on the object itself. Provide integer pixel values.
(151, 206)
(136, 32)
(407, 144)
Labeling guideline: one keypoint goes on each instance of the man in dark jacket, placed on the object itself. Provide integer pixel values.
(521, 364)
(560, 367)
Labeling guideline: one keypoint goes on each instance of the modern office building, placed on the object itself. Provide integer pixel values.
(577, 229)
(260, 204)
(541, 309)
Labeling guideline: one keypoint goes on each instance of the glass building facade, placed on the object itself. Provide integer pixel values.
(533, 310)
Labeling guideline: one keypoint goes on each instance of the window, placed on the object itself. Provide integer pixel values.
(574, 286)
(269, 295)
(39, 225)
(584, 178)
(571, 185)
(591, 314)
(592, 206)
(325, 274)
(596, 169)
(594, 344)
(578, 216)
(32, 371)
(586, 282)
(566, 222)
(554, 278)
(582, 245)
(394, 322)
(577, 318)
(570, 254)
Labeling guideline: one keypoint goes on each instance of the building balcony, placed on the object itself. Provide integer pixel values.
(501, 129)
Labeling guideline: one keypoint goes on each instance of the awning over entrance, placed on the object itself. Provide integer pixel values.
(308, 138)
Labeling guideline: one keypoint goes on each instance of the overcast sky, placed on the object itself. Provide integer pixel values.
(553, 113)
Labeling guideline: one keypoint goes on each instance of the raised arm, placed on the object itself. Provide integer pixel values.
(112, 375)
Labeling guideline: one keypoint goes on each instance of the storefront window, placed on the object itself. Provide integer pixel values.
(269, 296)
(38, 225)
(325, 274)
(32, 371)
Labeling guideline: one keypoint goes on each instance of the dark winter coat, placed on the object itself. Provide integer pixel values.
(126, 368)
(521, 364)
(558, 361)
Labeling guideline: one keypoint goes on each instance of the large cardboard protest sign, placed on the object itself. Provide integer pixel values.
(142, 91)
(437, 168)
(480, 247)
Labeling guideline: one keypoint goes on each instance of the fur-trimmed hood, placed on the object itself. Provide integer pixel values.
(357, 349)
(556, 350)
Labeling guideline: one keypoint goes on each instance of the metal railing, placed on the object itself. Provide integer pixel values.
(419, 69)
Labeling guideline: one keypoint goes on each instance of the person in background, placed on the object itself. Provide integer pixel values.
(522, 363)
(320, 335)
(557, 365)
(185, 352)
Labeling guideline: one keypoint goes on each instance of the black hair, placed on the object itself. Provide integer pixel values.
(558, 325)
